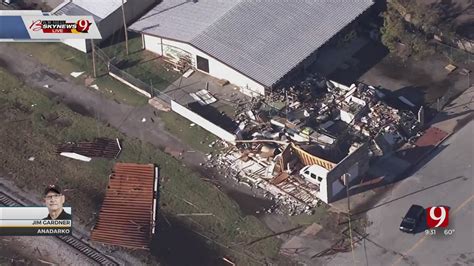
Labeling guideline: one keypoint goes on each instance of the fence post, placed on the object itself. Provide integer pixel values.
(151, 88)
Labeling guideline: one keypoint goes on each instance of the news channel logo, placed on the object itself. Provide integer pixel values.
(437, 221)
(61, 26)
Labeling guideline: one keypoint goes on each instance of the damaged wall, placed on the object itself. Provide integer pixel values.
(308, 159)
(354, 165)
(202, 122)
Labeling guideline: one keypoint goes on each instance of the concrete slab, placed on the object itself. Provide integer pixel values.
(182, 87)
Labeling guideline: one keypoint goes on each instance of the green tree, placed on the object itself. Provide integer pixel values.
(413, 25)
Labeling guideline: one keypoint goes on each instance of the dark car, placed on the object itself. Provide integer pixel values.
(412, 219)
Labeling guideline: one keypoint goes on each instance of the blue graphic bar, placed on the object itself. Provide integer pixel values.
(12, 27)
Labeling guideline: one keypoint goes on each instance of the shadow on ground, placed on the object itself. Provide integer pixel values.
(385, 185)
(363, 60)
(176, 244)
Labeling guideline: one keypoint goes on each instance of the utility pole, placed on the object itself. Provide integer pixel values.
(346, 181)
(125, 27)
(93, 57)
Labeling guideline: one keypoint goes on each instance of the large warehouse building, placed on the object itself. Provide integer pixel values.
(251, 44)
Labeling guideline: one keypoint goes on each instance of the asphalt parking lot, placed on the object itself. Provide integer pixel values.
(445, 179)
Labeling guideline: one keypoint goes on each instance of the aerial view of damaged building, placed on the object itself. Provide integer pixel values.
(308, 143)
(303, 143)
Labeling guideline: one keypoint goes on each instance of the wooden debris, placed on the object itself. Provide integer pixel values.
(279, 178)
(194, 214)
(228, 261)
(450, 68)
(46, 262)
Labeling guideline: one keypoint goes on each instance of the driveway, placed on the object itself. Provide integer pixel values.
(447, 179)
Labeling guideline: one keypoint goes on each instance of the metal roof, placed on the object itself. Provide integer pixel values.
(72, 9)
(182, 20)
(99, 9)
(262, 39)
(128, 212)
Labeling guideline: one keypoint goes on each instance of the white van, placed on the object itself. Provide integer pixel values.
(314, 173)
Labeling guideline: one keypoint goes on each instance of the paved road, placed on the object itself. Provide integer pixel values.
(446, 179)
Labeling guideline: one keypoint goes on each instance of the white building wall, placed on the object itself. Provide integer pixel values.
(216, 68)
(204, 123)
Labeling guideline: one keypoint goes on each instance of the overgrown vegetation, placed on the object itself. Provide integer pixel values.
(32, 124)
(411, 25)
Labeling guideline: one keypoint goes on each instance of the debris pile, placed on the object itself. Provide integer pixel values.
(287, 142)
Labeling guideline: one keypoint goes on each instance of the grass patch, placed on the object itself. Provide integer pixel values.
(143, 65)
(65, 60)
(27, 132)
(195, 136)
(320, 215)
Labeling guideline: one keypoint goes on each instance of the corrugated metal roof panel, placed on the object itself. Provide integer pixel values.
(99, 147)
(127, 214)
(262, 39)
(102, 8)
(72, 9)
(182, 20)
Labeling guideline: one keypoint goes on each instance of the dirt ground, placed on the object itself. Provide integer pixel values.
(421, 81)
(45, 250)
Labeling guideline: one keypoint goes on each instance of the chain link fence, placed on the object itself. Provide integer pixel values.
(111, 66)
(454, 54)
(460, 58)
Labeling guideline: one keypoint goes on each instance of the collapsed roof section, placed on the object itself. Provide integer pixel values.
(306, 143)
(325, 118)
(128, 213)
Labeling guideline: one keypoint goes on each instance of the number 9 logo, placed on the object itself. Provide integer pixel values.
(83, 25)
(437, 216)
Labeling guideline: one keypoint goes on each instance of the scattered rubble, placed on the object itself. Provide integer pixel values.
(76, 74)
(94, 86)
(315, 123)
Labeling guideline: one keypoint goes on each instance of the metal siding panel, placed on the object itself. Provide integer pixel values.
(126, 216)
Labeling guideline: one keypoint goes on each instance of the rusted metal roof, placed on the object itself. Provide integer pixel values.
(99, 147)
(127, 216)
(423, 145)
(431, 137)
